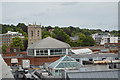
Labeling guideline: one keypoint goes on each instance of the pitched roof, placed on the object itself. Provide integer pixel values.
(48, 43)
(64, 62)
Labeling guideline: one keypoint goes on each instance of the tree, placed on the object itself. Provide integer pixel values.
(88, 41)
(22, 26)
(61, 35)
(4, 47)
(17, 42)
(81, 36)
(46, 34)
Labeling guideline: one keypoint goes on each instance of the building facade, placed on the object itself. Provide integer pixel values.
(109, 40)
(34, 33)
(7, 38)
(102, 38)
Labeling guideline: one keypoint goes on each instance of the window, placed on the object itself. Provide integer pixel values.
(116, 58)
(45, 51)
(32, 33)
(77, 60)
(38, 33)
(91, 59)
(42, 52)
(31, 52)
(56, 71)
(37, 51)
(103, 58)
(57, 51)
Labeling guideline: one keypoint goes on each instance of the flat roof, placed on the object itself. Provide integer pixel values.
(94, 74)
(93, 55)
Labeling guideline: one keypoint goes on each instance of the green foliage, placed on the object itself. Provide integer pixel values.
(17, 42)
(61, 35)
(115, 33)
(88, 41)
(46, 34)
(4, 47)
(83, 41)
(22, 26)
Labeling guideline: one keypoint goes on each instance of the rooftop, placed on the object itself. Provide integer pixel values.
(10, 32)
(64, 62)
(80, 51)
(94, 55)
(48, 43)
(94, 74)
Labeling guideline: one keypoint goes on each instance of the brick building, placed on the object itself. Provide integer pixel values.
(7, 37)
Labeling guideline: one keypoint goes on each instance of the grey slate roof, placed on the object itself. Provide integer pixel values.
(48, 43)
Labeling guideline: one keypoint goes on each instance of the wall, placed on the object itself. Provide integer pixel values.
(34, 60)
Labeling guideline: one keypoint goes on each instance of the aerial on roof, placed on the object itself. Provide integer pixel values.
(48, 43)
(64, 62)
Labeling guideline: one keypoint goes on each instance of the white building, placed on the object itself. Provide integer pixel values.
(48, 47)
(102, 38)
(109, 40)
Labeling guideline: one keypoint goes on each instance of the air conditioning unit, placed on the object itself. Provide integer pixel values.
(26, 63)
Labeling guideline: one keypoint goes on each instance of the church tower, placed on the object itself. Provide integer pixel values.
(34, 33)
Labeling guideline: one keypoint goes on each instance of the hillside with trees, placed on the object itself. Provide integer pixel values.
(61, 33)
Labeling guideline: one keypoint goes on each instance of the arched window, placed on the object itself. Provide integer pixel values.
(31, 33)
(38, 33)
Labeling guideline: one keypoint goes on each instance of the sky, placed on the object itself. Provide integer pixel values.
(91, 15)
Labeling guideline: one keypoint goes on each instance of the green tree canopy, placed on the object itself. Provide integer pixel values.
(88, 41)
(4, 47)
(61, 35)
(46, 34)
(22, 26)
(17, 42)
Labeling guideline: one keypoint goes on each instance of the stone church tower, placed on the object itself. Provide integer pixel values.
(34, 33)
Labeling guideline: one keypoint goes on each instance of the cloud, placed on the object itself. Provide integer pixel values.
(87, 15)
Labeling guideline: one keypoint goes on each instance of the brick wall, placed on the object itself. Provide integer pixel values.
(34, 60)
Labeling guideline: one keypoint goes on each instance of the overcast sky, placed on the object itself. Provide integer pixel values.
(92, 15)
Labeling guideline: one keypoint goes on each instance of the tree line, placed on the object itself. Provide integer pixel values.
(61, 33)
